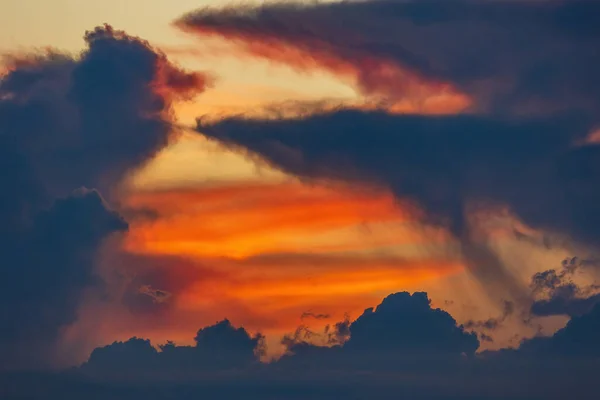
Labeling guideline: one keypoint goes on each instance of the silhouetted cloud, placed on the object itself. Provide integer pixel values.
(218, 347)
(310, 314)
(402, 332)
(577, 340)
(47, 265)
(406, 325)
(443, 164)
(89, 120)
(68, 122)
(402, 346)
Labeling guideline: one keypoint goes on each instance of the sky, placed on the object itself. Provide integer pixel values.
(198, 187)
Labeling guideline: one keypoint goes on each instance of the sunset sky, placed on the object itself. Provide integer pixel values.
(287, 166)
(334, 250)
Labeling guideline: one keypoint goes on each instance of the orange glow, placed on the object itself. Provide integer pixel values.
(261, 254)
(242, 220)
(300, 281)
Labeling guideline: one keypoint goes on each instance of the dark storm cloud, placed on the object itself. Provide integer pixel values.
(68, 122)
(509, 56)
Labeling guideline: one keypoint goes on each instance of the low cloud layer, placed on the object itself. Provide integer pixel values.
(217, 347)
(406, 346)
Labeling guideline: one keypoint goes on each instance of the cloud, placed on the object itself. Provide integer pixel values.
(558, 294)
(406, 325)
(521, 144)
(444, 169)
(401, 346)
(217, 347)
(503, 57)
(68, 122)
(402, 332)
(47, 267)
(106, 111)
(577, 340)
(491, 323)
(310, 314)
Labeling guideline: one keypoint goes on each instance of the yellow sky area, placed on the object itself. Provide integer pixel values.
(242, 83)
(193, 160)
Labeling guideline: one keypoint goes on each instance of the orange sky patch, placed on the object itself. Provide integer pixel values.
(244, 219)
(294, 283)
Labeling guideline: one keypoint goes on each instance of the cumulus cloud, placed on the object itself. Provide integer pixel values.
(217, 347)
(403, 332)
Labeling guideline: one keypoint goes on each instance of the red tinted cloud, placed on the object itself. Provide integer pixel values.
(509, 56)
(384, 78)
